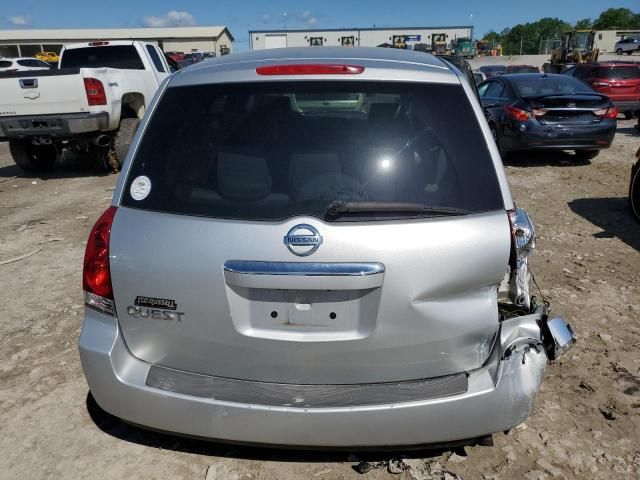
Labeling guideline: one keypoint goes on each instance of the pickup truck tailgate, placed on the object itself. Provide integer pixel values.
(43, 93)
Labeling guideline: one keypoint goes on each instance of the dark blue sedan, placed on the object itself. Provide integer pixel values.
(539, 111)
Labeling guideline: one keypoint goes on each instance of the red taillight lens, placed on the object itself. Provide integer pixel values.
(310, 69)
(98, 44)
(96, 276)
(611, 112)
(95, 92)
(517, 113)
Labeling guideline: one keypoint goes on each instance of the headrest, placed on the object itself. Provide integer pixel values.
(243, 177)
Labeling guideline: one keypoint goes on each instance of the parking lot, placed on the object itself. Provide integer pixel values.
(586, 419)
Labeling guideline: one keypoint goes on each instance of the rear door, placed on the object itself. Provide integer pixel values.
(268, 238)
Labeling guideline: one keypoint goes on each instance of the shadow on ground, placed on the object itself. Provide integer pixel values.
(117, 428)
(612, 215)
(631, 131)
(68, 166)
(543, 158)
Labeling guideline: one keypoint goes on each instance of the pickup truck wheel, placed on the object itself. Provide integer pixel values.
(124, 137)
(32, 158)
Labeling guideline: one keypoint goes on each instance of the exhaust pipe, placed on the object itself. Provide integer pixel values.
(101, 140)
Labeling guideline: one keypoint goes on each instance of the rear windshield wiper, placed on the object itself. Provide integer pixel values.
(340, 208)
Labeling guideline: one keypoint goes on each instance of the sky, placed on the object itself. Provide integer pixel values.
(240, 16)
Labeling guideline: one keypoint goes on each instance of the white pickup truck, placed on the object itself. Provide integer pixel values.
(92, 103)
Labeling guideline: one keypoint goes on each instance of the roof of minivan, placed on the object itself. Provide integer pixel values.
(243, 64)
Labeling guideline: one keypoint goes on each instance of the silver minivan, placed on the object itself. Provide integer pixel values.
(316, 247)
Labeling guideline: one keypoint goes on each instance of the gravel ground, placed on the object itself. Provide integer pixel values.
(586, 419)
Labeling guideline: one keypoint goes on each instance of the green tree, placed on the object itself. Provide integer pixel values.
(526, 38)
(621, 18)
(584, 24)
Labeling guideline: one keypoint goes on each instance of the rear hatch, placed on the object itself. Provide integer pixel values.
(619, 82)
(43, 92)
(278, 234)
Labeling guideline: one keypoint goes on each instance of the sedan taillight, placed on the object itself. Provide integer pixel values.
(517, 113)
(611, 112)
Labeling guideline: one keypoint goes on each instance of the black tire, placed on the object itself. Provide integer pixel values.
(619, 51)
(33, 158)
(634, 191)
(586, 154)
(628, 115)
(123, 138)
(629, 52)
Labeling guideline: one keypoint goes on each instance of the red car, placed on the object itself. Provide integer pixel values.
(617, 80)
(176, 56)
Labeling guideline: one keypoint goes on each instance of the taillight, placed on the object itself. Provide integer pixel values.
(96, 274)
(310, 69)
(517, 113)
(611, 112)
(523, 241)
(95, 92)
(98, 44)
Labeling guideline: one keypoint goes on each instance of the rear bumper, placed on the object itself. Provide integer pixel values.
(57, 126)
(535, 136)
(627, 105)
(498, 397)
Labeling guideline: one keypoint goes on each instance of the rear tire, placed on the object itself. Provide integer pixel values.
(585, 154)
(32, 158)
(634, 191)
(123, 139)
(628, 115)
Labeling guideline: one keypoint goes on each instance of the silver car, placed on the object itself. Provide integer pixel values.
(627, 45)
(316, 247)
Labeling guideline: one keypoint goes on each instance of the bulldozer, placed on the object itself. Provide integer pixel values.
(575, 47)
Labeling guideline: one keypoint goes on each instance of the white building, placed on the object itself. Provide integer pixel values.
(365, 37)
(606, 39)
(28, 42)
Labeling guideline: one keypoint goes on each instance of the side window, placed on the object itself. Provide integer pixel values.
(155, 58)
(581, 73)
(495, 90)
(482, 89)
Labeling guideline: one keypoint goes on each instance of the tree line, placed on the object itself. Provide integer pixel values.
(526, 37)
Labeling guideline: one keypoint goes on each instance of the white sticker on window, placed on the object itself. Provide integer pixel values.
(140, 188)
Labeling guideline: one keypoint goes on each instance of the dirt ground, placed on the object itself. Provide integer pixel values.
(586, 420)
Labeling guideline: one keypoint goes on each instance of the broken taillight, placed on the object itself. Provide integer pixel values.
(96, 275)
(523, 241)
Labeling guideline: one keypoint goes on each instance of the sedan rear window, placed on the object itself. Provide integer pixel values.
(545, 85)
(275, 150)
(112, 56)
(617, 73)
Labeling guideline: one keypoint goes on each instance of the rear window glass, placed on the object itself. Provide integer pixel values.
(549, 85)
(274, 150)
(113, 56)
(5, 64)
(523, 70)
(617, 73)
